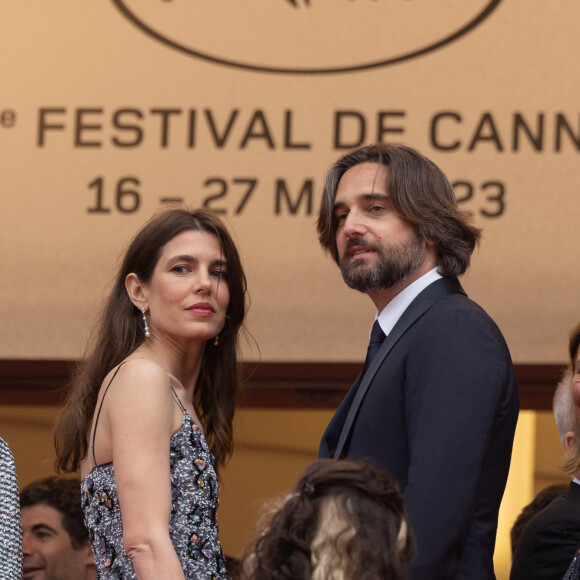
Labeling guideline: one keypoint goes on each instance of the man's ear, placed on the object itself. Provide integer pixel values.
(137, 291)
(568, 439)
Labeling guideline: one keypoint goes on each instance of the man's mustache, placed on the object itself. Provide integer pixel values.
(353, 242)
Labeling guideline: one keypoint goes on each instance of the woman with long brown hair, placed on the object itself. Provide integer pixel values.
(148, 416)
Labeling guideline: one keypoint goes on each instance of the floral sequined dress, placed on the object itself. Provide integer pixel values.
(192, 524)
(573, 572)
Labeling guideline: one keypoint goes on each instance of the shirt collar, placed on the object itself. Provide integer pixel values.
(395, 308)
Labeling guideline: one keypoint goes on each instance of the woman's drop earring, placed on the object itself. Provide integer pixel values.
(145, 327)
(216, 340)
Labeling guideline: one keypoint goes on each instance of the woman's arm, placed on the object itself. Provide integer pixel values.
(142, 416)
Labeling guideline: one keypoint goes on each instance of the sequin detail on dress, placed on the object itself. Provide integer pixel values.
(573, 572)
(192, 524)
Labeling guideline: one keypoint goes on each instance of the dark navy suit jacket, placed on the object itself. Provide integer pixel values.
(439, 414)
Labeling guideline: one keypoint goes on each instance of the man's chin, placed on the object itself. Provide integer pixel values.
(358, 261)
(360, 283)
(356, 269)
(359, 267)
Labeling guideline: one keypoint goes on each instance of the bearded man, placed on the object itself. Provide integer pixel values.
(437, 402)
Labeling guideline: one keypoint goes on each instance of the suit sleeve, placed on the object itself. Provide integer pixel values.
(460, 415)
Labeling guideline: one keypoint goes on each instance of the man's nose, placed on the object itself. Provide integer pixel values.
(354, 226)
(26, 547)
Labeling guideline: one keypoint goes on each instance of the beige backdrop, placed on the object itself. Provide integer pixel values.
(118, 105)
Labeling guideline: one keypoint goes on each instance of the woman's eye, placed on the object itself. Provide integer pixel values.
(179, 269)
(221, 274)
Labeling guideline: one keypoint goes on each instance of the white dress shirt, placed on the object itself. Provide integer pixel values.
(395, 308)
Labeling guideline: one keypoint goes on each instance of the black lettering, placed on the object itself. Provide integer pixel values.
(258, 129)
(81, 127)
(122, 125)
(434, 132)
(99, 207)
(563, 126)
(128, 199)
(191, 132)
(496, 197)
(222, 190)
(251, 185)
(288, 133)
(466, 186)
(43, 124)
(537, 140)
(165, 115)
(7, 119)
(383, 128)
(486, 131)
(305, 195)
(339, 140)
(220, 140)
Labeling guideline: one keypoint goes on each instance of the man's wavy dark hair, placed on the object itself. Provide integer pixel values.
(343, 520)
(419, 192)
(64, 495)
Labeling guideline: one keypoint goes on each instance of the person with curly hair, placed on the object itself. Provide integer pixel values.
(344, 520)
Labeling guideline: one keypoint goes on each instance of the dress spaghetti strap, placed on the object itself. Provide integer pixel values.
(178, 400)
(99, 412)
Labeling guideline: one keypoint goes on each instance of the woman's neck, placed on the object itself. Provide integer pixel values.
(181, 363)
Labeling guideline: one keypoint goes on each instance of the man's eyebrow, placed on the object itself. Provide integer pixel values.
(363, 197)
(373, 196)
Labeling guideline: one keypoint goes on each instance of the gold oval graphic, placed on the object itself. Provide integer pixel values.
(306, 36)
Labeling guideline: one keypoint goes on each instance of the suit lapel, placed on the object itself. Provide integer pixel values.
(333, 429)
(422, 303)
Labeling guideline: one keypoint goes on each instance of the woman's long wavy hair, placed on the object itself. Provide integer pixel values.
(120, 331)
(342, 521)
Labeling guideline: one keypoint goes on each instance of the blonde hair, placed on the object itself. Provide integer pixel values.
(344, 520)
(331, 540)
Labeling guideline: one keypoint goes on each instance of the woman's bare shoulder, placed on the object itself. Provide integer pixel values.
(140, 377)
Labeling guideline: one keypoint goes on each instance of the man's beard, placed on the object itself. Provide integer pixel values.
(403, 259)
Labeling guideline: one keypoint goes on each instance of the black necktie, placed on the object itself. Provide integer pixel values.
(377, 338)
